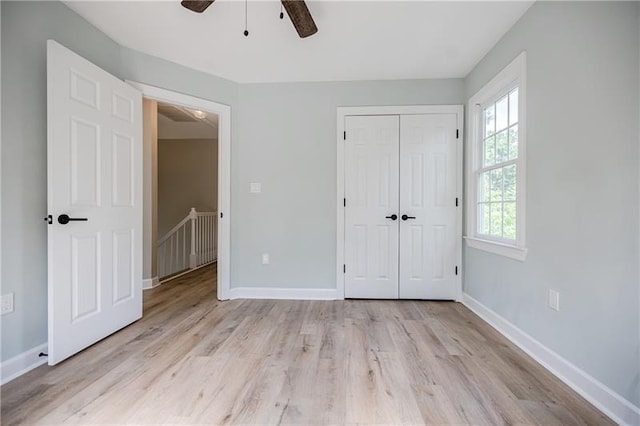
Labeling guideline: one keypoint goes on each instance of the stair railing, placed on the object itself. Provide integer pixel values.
(189, 245)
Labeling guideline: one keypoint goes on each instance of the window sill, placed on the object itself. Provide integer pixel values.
(506, 250)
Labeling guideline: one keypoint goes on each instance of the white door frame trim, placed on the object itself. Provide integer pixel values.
(224, 170)
(342, 113)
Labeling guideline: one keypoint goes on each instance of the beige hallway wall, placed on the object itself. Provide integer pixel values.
(187, 177)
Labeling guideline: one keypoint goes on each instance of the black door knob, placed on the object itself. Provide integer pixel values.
(63, 219)
(405, 217)
(392, 217)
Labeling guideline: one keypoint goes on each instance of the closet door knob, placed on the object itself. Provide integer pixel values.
(405, 217)
(392, 217)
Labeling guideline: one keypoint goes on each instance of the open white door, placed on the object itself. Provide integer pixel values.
(94, 174)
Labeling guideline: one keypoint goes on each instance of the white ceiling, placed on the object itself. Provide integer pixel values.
(356, 40)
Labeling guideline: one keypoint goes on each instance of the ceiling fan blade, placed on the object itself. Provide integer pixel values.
(197, 6)
(301, 17)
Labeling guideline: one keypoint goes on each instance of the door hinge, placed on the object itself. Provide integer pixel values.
(344, 202)
(456, 201)
(457, 134)
(344, 135)
(456, 270)
(344, 269)
(221, 215)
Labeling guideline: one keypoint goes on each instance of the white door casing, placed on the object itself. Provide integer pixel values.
(223, 264)
(430, 183)
(371, 188)
(428, 240)
(94, 171)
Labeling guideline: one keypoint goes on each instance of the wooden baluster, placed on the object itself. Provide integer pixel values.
(209, 238)
(176, 253)
(201, 240)
(204, 237)
(184, 248)
(170, 263)
(193, 260)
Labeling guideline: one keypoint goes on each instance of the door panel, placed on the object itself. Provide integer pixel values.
(85, 281)
(94, 156)
(371, 188)
(428, 177)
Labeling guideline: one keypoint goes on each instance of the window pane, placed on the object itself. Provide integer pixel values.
(502, 147)
(485, 186)
(513, 107)
(496, 185)
(489, 121)
(484, 218)
(496, 220)
(509, 179)
(502, 114)
(509, 225)
(498, 188)
(489, 151)
(513, 142)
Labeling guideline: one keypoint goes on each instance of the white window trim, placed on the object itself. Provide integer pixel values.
(514, 73)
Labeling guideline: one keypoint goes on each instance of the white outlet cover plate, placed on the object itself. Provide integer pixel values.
(265, 259)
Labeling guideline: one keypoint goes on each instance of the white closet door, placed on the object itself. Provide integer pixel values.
(371, 188)
(428, 237)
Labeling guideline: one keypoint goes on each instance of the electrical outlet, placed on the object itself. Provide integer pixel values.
(265, 258)
(6, 303)
(554, 300)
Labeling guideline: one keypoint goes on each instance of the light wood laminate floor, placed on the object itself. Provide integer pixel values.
(195, 360)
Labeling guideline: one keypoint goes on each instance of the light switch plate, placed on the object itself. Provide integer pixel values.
(265, 258)
(255, 187)
(554, 300)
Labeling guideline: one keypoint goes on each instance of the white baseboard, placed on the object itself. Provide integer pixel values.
(284, 293)
(22, 363)
(149, 283)
(606, 400)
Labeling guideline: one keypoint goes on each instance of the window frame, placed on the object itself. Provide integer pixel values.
(513, 75)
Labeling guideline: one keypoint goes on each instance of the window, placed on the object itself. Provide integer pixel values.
(497, 164)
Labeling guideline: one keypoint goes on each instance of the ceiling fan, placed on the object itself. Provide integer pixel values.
(296, 9)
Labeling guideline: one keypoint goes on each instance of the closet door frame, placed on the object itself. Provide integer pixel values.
(342, 113)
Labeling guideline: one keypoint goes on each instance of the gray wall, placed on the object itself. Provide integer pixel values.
(582, 189)
(187, 177)
(288, 143)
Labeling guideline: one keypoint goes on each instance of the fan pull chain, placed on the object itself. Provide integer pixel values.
(281, 14)
(246, 31)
